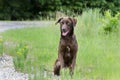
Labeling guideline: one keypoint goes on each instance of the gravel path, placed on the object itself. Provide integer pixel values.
(5, 25)
(7, 70)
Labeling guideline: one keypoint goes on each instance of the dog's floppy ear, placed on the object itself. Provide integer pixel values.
(59, 20)
(74, 21)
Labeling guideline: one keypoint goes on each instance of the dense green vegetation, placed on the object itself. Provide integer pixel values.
(98, 54)
(47, 9)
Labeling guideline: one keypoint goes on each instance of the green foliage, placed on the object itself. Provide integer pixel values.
(21, 56)
(1, 46)
(110, 23)
(47, 9)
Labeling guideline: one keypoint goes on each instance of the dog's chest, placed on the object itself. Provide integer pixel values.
(66, 42)
(67, 47)
(67, 53)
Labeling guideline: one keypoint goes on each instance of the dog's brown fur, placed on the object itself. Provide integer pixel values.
(67, 47)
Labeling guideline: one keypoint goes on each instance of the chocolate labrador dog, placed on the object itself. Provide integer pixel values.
(67, 47)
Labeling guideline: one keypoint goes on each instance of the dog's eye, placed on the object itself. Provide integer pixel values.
(68, 23)
(62, 22)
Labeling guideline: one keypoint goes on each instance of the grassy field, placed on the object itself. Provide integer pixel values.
(98, 54)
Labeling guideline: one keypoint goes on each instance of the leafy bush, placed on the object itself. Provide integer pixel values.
(110, 22)
(21, 55)
(40, 9)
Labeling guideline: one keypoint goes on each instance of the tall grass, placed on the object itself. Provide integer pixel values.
(1, 46)
(98, 54)
(20, 56)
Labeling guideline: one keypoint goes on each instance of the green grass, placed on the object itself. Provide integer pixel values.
(98, 54)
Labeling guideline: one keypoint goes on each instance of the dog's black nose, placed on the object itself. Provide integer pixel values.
(64, 30)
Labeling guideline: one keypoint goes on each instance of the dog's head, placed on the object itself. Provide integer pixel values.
(67, 25)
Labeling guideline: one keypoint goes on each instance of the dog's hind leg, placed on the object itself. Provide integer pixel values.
(57, 68)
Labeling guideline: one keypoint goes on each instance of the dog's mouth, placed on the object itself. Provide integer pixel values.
(64, 33)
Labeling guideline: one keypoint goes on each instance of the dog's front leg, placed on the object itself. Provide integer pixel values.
(57, 67)
(72, 65)
(61, 59)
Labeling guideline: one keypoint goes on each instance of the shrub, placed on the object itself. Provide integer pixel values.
(109, 22)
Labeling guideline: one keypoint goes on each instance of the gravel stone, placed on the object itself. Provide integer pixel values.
(7, 70)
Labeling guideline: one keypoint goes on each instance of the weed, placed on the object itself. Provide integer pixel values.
(21, 55)
(1, 46)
